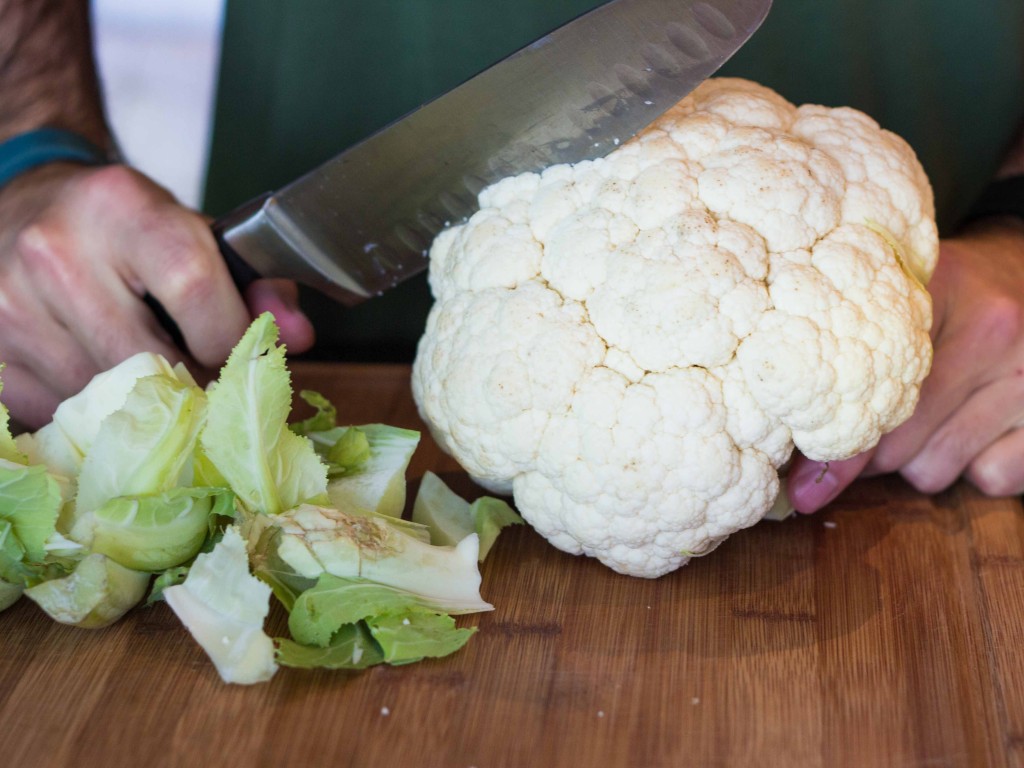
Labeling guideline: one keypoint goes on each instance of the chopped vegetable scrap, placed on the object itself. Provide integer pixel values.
(146, 487)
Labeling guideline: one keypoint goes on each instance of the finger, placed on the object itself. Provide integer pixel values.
(89, 313)
(813, 484)
(986, 415)
(30, 400)
(949, 384)
(998, 470)
(178, 262)
(281, 299)
(115, 328)
(37, 341)
(158, 247)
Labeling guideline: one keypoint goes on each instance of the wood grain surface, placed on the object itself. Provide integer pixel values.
(885, 631)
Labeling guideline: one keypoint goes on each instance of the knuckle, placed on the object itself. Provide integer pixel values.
(40, 250)
(12, 319)
(189, 282)
(180, 255)
(115, 185)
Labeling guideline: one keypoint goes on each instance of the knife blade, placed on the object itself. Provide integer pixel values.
(363, 221)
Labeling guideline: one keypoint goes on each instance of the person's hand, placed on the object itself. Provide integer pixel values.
(969, 418)
(79, 249)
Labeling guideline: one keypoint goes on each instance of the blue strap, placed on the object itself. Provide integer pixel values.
(46, 145)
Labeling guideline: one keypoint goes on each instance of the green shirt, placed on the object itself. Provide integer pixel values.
(302, 79)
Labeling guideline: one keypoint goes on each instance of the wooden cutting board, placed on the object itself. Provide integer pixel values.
(886, 631)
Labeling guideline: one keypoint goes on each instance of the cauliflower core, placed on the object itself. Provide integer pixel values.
(632, 346)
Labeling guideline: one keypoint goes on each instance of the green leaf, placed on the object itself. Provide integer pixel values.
(221, 579)
(406, 628)
(50, 447)
(333, 602)
(378, 483)
(8, 449)
(223, 509)
(324, 418)
(345, 450)
(246, 437)
(168, 578)
(316, 540)
(270, 568)
(204, 472)
(143, 448)
(153, 533)
(97, 593)
(350, 451)
(450, 518)
(417, 634)
(352, 647)
(490, 517)
(444, 512)
(77, 420)
(16, 569)
(30, 501)
(12, 555)
(223, 606)
(9, 594)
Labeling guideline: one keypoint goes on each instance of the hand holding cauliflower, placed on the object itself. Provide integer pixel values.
(633, 346)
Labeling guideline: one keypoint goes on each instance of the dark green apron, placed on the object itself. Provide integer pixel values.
(302, 79)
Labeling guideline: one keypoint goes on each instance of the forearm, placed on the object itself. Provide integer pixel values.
(47, 71)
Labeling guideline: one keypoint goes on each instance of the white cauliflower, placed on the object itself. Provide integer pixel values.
(632, 346)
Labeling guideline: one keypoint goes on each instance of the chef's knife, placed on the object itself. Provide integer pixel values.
(364, 220)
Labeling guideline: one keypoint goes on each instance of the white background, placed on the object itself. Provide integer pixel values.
(158, 63)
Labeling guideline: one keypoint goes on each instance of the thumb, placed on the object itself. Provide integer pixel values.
(813, 484)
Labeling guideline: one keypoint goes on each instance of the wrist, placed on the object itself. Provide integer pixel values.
(34, 149)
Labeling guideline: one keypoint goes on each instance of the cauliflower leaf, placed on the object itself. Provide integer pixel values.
(246, 436)
(224, 607)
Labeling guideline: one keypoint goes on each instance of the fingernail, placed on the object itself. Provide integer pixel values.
(812, 486)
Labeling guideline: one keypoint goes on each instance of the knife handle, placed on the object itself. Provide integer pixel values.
(241, 273)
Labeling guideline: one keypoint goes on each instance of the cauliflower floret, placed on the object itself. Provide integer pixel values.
(489, 396)
(884, 180)
(826, 360)
(644, 476)
(633, 346)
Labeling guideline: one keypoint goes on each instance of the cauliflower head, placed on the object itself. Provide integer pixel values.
(632, 346)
